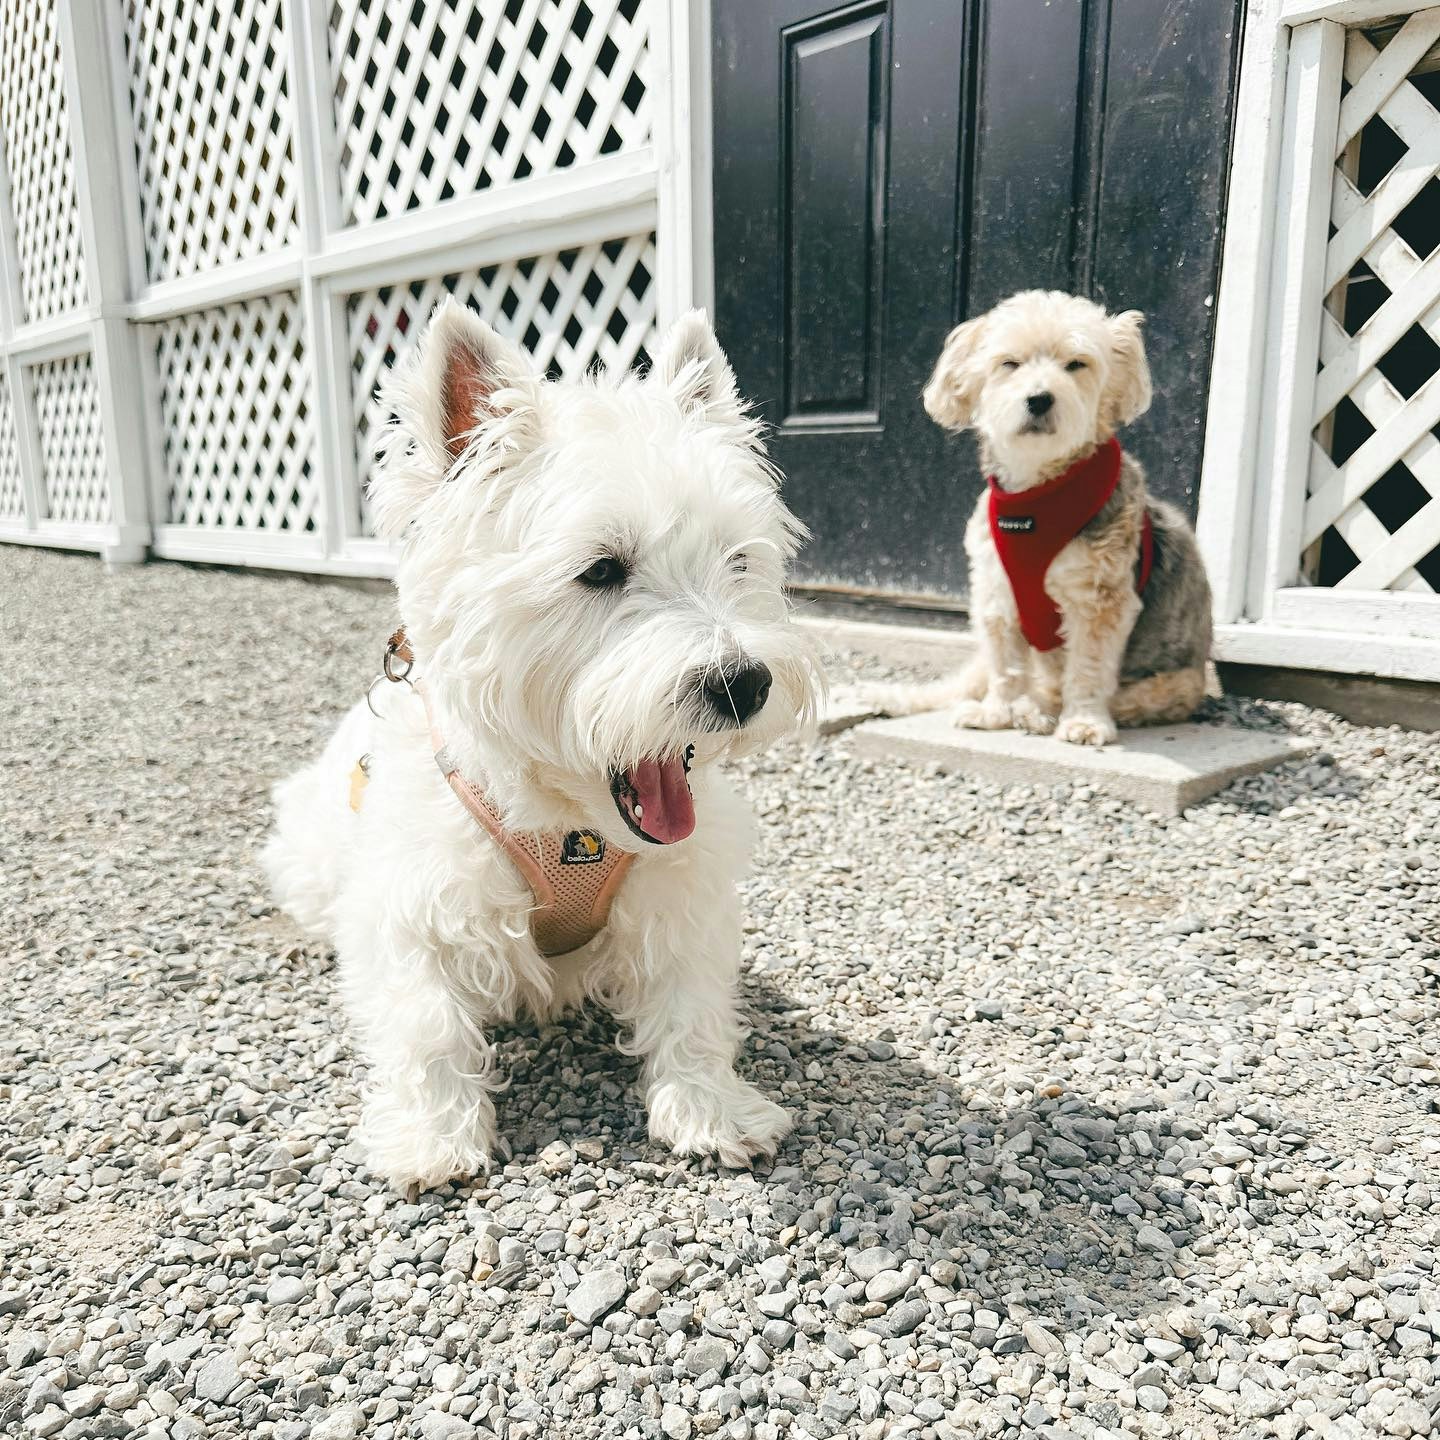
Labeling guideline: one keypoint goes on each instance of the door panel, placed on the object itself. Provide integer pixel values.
(834, 97)
(884, 169)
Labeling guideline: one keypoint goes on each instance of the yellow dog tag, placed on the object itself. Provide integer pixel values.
(359, 779)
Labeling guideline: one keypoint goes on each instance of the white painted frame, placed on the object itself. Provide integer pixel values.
(662, 187)
(1262, 383)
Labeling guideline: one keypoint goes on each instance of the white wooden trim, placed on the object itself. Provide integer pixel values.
(578, 205)
(53, 339)
(1312, 648)
(1238, 356)
(1312, 105)
(105, 224)
(702, 161)
(224, 285)
(27, 441)
(674, 200)
(56, 535)
(1360, 612)
(1348, 12)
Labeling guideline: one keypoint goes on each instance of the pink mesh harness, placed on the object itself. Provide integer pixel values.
(573, 874)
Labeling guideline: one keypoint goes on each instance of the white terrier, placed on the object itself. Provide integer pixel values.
(590, 582)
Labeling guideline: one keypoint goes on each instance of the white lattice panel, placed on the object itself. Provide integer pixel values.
(213, 125)
(236, 418)
(571, 310)
(12, 497)
(72, 444)
(439, 98)
(1372, 514)
(35, 129)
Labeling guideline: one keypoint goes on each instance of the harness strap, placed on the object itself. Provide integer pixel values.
(573, 875)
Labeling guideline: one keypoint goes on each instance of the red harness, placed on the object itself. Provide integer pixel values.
(1031, 527)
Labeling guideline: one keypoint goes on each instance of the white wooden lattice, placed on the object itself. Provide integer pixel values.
(1372, 512)
(35, 130)
(445, 97)
(213, 124)
(67, 408)
(12, 498)
(237, 424)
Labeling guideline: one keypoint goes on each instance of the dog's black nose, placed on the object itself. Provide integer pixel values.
(1039, 404)
(737, 691)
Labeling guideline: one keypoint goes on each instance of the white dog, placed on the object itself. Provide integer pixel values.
(1088, 595)
(590, 582)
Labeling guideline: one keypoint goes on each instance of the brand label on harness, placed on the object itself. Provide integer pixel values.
(582, 847)
(1020, 524)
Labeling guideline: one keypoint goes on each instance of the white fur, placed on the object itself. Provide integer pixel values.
(503, 488)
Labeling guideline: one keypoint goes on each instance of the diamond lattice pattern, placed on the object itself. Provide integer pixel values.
(1372, 514)
(235, 401)
(35, 129)
(439, 98)
(213, 119)
(12, 497)
(571, 309)
(72, 444)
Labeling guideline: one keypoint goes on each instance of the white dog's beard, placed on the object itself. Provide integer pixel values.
(654, 798)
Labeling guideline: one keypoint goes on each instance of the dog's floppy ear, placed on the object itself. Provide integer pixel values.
(954, 385)
(691, 364)
(1128, 393)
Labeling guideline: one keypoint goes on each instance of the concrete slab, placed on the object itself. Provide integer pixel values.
(1163, 770)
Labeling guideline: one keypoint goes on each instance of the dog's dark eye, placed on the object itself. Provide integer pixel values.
(605, 574)
(741, 562)
(1009, 364)
(1076, 365)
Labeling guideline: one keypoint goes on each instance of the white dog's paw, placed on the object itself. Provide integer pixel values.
(731, 1120)
(1026, 714)
(986, 714)
(408, 1150)
(1086, 729)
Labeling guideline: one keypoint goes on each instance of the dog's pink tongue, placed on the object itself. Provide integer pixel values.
(663, 792)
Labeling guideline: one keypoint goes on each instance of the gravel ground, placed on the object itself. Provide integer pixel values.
(1106, 1124)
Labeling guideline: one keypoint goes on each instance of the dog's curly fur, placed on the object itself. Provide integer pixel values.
(502, 488)
(1125, 659)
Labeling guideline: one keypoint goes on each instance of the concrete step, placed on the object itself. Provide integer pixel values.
(1163, 770)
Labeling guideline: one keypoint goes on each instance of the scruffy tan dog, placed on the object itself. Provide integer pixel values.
(1088, 595)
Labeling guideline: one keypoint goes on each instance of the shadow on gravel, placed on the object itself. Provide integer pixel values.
(1035, 1194)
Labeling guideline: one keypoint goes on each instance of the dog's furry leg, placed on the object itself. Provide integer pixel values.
(1006, 669)
(681, 1014)
(1095, 635)
(1166, 699)
(428, 1114)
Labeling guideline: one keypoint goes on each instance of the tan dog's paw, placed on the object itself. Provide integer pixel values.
(986, 714)
(1026, 714)
(1086, 729)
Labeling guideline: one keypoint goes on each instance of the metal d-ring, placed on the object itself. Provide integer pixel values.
(390, 653)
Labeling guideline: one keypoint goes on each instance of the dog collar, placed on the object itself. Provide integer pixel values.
(573, 875)
(1031, 527)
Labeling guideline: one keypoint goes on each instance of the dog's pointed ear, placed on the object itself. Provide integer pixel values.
(691, 364)
(464, 365)
(1128, 394)
(955, 383)
(461, 377)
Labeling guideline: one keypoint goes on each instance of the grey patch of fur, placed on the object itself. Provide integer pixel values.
(1173, 631)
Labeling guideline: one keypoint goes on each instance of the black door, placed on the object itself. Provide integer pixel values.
(885, 168)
